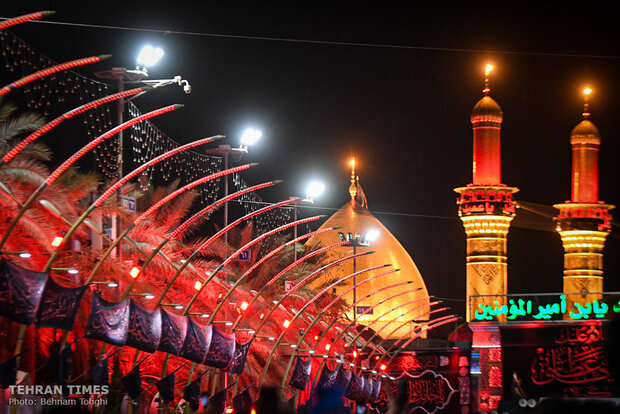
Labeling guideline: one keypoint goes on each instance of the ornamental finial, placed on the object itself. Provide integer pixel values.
(353, 186)
(487, 70)
(587, 91)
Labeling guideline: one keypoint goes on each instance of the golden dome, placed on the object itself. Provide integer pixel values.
(357, 220)
(487, 110)
(585, 132)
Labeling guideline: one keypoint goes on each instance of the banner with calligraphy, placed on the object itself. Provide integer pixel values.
(108, 321)
(556, 361)
(327, 377)
(20, 292)
(355, 390)
(238, 361)
(196, 342)
(221, 349)
(59, 305)
(342, 379)
(301, 373)
(545, 307)
(435, 382)
(144, 329)
(173, 331)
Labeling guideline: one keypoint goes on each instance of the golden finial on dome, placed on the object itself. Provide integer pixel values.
(353, 186)
(587, 91)
(487, 70)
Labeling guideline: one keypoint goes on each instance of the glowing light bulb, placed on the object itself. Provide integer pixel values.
(587, 91)
(383, 367)
(57, 241)
(487, 69)
(244, 305)
(352, 163)
(134, 272)
(197, 285)
(286, 323)
(327, 347)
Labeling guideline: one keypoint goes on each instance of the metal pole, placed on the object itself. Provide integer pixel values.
(354, 287)
(225, 195)
(295, 236)
(118, 221)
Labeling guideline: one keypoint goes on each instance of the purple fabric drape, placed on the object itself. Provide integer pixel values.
(327, 377)
(368, 387)
(301, 373)
(355, 390)
(20, 292)
(144, 330)
(59, 305)
(376, 390)
(173, 332)
(196, 342)
(108, 322)
(221, 349)
(342, 379)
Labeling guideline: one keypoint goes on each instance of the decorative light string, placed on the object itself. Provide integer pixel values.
(252, 201)
(147, 142)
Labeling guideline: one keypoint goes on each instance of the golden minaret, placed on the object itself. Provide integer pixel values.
(486, 207)
(584, 222)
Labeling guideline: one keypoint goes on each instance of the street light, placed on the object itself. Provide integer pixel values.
(358, 241)
(147, 57)
(313, 190)
(250, 137)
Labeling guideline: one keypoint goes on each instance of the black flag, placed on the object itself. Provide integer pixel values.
(191, 393)
(133, 382)
(165, 386)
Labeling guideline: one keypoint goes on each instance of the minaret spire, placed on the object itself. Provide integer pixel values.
(587, 91)
(584, 221)
(486, 208)
(487, 70)
(353, 186)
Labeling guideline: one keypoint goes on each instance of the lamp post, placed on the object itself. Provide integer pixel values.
(313, 190)
(358, 241)
(249, 137)
(147, 58)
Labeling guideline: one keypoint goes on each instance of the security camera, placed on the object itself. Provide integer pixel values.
(187, 88)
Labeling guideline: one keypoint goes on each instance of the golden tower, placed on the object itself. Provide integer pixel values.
(356, 222)
(486, 206)
(584, 221)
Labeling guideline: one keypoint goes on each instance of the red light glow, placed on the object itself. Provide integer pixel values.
(244, 305)
(197, 285)
(134, 272)
(23, 19)
(49, 71)
(327, 347)
(383, 367)
(57, 241)
(67, 115)
(286, 323)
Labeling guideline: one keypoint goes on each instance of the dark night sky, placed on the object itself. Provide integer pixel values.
(403, 112)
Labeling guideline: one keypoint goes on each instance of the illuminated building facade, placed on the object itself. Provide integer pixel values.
(486, 208)
(486, 205)
(584, 222)
(377, 305)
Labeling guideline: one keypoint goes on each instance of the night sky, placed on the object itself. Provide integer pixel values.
(402, 110)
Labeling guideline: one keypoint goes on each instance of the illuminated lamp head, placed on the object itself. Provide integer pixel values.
(134, 272)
